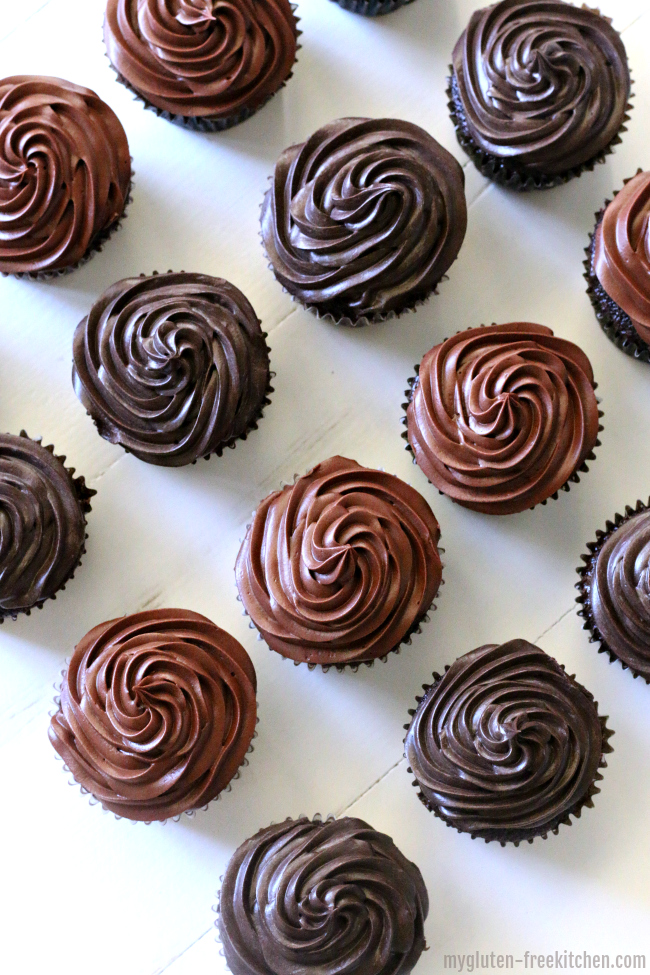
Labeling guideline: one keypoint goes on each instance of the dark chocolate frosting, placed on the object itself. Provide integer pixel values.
(332, 898)
(157, 713)
(202, 58)
(42, 523)
(544, 85)
(501, 417)
(364, 218)
(172, 367)
(506, 745)
(341, 566)
(618, 586)
(622, 252)
(65, 172)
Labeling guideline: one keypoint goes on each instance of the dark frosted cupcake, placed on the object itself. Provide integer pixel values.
(506, 746)
(363, 220)
(203, 64)
(323, 898)
(340, 567)
(372, 8)
(500, 418)
(618, 267)
(65, 174)
(539, 91)
(43, 512)
(615, 589)
(157, 713)
(173, 367)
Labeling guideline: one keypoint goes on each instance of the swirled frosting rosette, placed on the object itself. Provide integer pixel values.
(617, 268)
(156, 714)
(539, 91)
(42, 524)
(332, 898)
(501, 417)
(65, 174)
(614, 589)
(208, 64)
(364, 219)
(341, 566)
(505, 745)
(173, 367)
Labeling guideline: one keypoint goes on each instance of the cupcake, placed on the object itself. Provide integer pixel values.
(321, 897)
(500, 418)
(172, 367)
(618, 267)
(539, 91)
(614, 589)
(340, 567)
(506, 746)
(372, 8)
(65, 175)
(362, 221)
(203, 64)
(43, 512)
(157, 713)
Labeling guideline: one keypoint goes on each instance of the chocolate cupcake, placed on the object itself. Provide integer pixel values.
(43, 512)
(340, 567)
(199, 63)
(500, 418)
(363, 220)
(172, 367)
(157, 713)
(505, 745)
(65, 175)
(617, 268)
(372, 8)
(614, 589)
(323, 897)
(539, 91)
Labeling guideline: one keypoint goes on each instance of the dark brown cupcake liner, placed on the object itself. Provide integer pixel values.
(587, 801)
(412, 383)
(506, 174)
(615, 323)
(198, 123)
(83, 494)
(585, 573)
(96, 245)
(372, 8)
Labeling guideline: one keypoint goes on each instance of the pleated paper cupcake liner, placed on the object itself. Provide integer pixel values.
(83, 495)
(372, 8)
(586, 572)
(503, 172)
(519, 836)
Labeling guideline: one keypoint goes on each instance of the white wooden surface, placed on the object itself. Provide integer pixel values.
(81, 892)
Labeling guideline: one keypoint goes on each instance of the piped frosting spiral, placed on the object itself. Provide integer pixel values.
(332, 898)
(543, 85)
(501, 417)
(364, 218)
(173, 367)
(157, 713)
(506, 745)
(65, 172)
(341, 566)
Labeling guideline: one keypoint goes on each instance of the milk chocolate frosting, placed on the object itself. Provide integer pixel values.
(341, 566)
(202, 58)
(501, 417)
(622, 252)
(42, 523)
(543, 85)
(65, 172)
(364, 218)
(157, 713)
(619, 592)
(506, 745)
(172, 367)
(332, 898)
